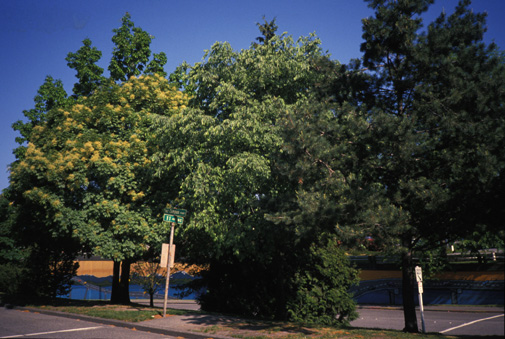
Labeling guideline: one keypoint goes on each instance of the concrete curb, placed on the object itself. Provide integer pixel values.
(442, 308)
(180, 332)
(123, 324)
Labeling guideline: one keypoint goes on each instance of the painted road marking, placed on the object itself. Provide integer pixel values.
(44, 333)
(470, 323)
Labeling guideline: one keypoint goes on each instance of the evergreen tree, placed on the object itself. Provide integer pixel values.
(267, 30)
(436, 121)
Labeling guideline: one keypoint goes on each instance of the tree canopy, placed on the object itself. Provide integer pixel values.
(83, 172)
(436, 121)
(283, 158)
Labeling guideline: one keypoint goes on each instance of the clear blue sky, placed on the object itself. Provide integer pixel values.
(36, 36)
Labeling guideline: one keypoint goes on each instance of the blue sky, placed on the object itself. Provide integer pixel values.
(36, 36)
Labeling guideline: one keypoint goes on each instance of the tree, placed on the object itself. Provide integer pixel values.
(87, 170)
(131, 52)
(74, 146)
(436, 113)
(42, 264)
(224, 149)
(150, 276)
(267, 30)
(51, 94)
(12, 255)
(317, 300)
(88, 72)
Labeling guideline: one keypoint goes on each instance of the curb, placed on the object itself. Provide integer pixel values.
(428, 308)
(123, 324)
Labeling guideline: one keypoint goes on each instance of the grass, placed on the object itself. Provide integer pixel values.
(100, 309)
(258, 330)
(229, 326)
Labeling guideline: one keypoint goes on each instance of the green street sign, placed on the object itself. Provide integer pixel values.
(173, 218)
(176, 212)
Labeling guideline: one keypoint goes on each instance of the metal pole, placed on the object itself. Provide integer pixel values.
(422, 311)
(167, 283)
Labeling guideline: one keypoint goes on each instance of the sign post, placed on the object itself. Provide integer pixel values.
(419, 279)
(173, 216)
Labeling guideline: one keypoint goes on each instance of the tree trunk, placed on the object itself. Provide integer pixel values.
(124, 283)
(151, 299)
(121, 283)
(114, 296)
(408, 293)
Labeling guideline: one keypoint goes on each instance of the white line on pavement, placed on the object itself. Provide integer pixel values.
(44, 333)
(471, 322)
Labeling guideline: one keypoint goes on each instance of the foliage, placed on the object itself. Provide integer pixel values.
(223, 146)
(322, 287)
(35, 262)
(225, 150)
(91, 162)
(82, 175)
(267, 30)
(51, 94)
(132, 53)
(434, 104)
(87, 169)
(281, 156)
(481, 239)
(323, 161)
(89, 74)
(150, 277)
(12, 257)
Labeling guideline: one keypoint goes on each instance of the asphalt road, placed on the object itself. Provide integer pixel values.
(439, 321)
(18, 323)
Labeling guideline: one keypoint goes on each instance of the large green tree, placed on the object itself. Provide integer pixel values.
(435, 106)
(87, 169)
(225, 148)
(83, 172)
(404, 146)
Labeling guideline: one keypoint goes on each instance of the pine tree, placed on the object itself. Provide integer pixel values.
(437, 121)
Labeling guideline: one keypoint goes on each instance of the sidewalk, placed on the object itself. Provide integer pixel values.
(443, 308)
(193, 306)
(202, 326)
(218, 326)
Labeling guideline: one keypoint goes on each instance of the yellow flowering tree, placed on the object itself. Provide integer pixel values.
(88, 170)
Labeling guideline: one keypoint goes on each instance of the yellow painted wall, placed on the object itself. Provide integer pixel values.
(99, 269)
(103, 268)
(463, 275)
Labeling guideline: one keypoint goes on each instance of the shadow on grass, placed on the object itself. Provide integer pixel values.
(254, 325)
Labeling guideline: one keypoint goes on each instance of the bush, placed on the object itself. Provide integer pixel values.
(322, 288)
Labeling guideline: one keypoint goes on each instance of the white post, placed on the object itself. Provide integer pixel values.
(168, 269)
(419, 279)
(422, 308)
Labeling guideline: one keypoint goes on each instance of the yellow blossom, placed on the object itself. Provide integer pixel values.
(95, 157)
